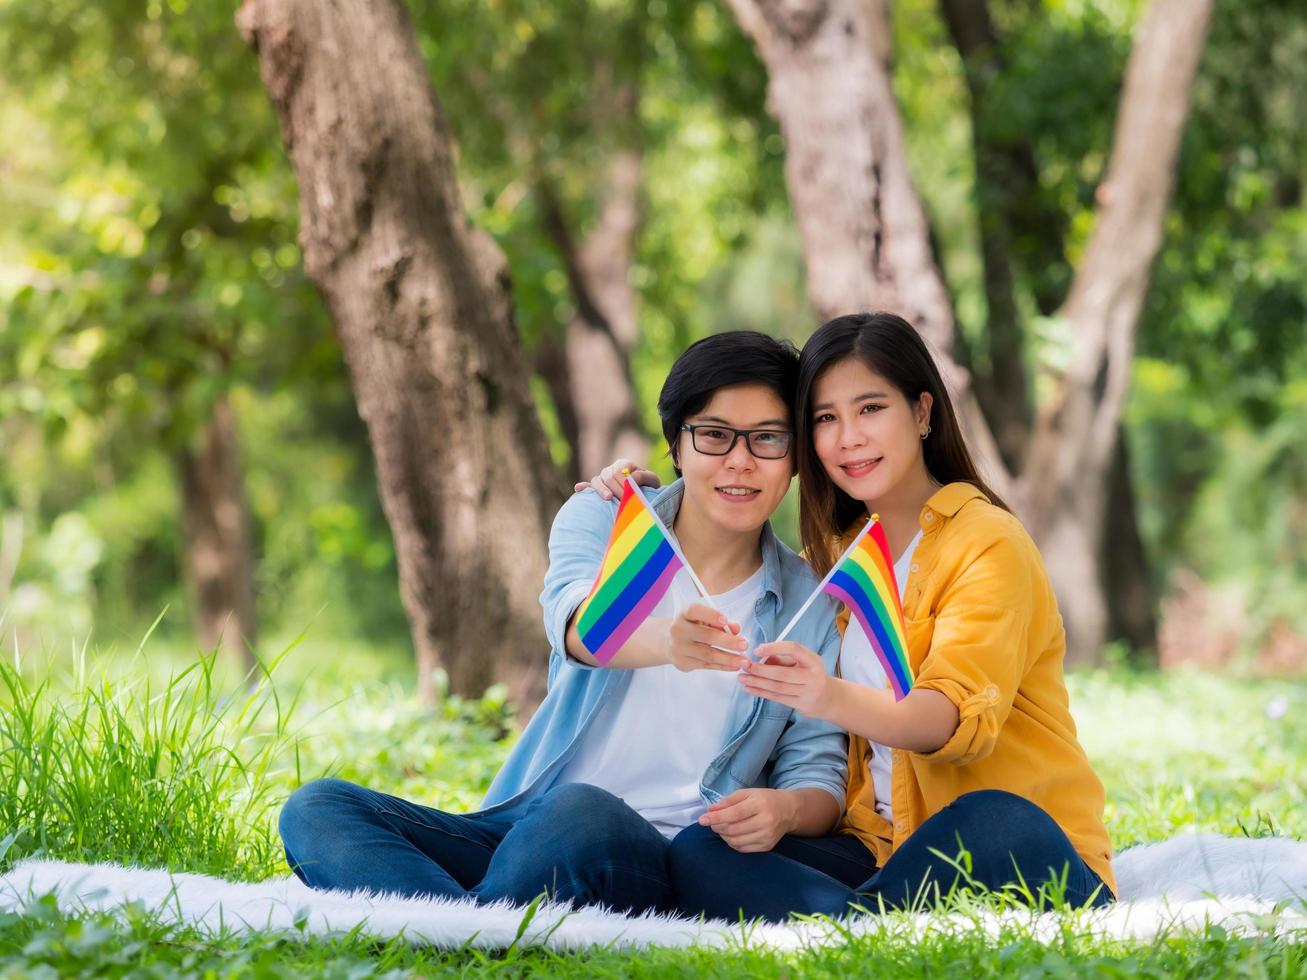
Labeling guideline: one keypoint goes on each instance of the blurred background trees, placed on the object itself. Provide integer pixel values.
(169, 375)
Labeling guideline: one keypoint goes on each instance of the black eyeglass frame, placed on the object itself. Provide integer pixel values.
(736, 434)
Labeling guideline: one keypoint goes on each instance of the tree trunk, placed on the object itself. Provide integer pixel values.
(218, 553)
(552, 366)
(1131, 600)
(1010, 210)
(421, 306)
(866, 240)
(1066, 484)
(602, 331)
(1004, 173)
(865, 236)
(1007, 172)
(867, 245)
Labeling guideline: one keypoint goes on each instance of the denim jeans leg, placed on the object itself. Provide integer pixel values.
(581, 844)
(340, 835)
(1009, 841)
(712, 879)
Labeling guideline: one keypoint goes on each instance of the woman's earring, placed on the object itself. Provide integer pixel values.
(927, 432)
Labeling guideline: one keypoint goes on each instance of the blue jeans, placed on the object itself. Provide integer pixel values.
(1008, 840)
(576, 843)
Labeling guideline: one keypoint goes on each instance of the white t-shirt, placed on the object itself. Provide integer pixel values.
(651, 744)
(858, 662)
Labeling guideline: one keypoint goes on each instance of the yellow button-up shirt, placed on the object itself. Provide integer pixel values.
(983, 629)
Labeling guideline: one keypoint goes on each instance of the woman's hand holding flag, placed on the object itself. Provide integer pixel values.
(790, 674)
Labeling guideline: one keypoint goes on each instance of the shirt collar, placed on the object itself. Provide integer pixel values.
(947, 501)
(943, 503)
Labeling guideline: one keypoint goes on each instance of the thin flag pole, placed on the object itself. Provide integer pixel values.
(671, 539)
(685, 563)
(829, 575)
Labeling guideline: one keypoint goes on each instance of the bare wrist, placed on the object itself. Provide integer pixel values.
(830, 706)
(794, 811)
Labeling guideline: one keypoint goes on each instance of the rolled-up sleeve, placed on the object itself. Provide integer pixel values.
(979, 649)
(576, 552)
(812, 753)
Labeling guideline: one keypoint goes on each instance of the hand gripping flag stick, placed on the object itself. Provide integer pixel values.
(676, 547)
(863, 579)
(639, 564)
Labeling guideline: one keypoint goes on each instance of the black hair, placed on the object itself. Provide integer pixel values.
(889, 346)
(735, 357)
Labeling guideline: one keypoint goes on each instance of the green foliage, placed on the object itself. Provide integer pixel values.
(149, 776)
(533, 91)
(1249, 527)
(1218, 416)
(164, 761)
(167, 263)
(1214, 423)
(1201, 751)
(148, 265)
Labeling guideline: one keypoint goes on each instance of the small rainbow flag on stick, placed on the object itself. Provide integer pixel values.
(863, 579)
(638, 568)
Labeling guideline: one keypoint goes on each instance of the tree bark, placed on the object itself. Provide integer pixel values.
(1127, 586)
(1010, 211)
(602, 332)
(866, 240)
(865, 236)
(1008, 170)
(421, 306)
(551, 364)
(1066, 485)
(866, 245)
(1004, 174)
(218, 551)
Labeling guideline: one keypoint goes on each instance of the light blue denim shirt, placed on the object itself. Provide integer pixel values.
(770, 745)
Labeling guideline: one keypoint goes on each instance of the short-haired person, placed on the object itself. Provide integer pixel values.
(982, 754)
(619, 759)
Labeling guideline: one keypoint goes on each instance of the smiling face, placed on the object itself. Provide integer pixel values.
(736, 492)
(867, 434)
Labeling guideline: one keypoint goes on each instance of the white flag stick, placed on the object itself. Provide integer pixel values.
(829, 575)
(671, 540)
(685, 563)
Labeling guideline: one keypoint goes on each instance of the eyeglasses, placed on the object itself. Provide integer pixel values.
(718, 440)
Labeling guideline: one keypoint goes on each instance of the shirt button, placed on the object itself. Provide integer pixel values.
(991, 692)
(914, 567)
(928, 516)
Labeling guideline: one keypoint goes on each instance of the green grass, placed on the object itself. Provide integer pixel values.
(158, 758)
(46, 942)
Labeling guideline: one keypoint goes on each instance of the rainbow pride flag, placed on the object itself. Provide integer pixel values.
(638, 568)
(863, 579)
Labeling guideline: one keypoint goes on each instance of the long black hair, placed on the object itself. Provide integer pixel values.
(889, 346)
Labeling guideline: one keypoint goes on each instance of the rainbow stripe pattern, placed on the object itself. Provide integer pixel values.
(639, 565)
(863, 579)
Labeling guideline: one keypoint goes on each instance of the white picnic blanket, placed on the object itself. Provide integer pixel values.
(1183, 884)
